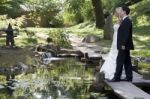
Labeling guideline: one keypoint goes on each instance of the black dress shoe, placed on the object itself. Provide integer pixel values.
(129, 80)
(114, 80)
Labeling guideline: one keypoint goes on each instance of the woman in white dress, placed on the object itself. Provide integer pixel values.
(109, 66)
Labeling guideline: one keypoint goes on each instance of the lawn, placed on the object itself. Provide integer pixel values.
(141, 36)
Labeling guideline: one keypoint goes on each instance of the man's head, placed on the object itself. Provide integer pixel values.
(124, 11)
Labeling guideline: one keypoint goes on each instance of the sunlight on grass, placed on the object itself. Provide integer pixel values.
(144, 66)
(141, 53)
(141, 36)
(84, 29)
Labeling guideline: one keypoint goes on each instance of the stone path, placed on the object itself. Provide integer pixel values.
(92, 49)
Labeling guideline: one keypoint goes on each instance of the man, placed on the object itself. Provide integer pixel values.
(124, 45)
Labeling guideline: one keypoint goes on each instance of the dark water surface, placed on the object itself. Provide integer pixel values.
(63, 79)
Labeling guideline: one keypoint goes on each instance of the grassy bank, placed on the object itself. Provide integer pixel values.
(141, 36)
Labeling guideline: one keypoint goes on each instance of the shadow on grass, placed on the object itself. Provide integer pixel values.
(141, 44)
(29, 41)
(142, 37)
(141, 31)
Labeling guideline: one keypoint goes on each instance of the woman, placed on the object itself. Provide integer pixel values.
(109, 66)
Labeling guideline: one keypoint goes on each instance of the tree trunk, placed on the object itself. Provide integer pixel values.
(108, 28)
(97, 4)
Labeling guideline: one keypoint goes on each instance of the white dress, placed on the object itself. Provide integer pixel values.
(109, 66)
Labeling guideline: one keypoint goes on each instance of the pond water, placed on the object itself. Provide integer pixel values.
(63, 79)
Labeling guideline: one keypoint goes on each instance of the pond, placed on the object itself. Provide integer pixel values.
(63, 79)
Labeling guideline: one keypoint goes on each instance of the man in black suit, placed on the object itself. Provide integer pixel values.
(124, 45)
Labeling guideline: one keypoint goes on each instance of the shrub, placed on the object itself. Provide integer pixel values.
(87, 11)
(59, 37)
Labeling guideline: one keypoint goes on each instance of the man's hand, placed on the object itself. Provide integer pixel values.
(123, 47)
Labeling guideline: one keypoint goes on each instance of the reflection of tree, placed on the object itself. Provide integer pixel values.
(62, 80)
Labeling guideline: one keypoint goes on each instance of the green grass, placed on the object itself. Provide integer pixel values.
(141, 53)
(84, 29)
(142, 37)
(142, 45)
(144, 66)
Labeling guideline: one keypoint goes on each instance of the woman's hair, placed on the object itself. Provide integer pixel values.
(116, 12)
(118, 9)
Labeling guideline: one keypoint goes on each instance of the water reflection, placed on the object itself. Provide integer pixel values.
(64, 79)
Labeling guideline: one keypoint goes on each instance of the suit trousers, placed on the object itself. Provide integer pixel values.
(123, 59)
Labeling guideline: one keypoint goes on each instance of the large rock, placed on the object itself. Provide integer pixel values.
(54, 49)
(91, 39)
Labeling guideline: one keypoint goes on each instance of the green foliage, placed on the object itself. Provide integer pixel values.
(32, 40)
(59, 37)
(110, 5)
(57, 21)
(33, 19)
(40, 13)
(142, 20)
(11, 8)
(87, 10)
(72, 11)
(142, 8)
(140, 13)
(43, 13)
(2, 1)
(69, 19)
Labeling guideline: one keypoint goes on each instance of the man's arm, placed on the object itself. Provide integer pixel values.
(125, 33)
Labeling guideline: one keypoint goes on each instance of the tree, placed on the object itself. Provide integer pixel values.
(11, 8)
(99, 16)
(42, 13)
(109, 6)
(108, 27)
(72, 11)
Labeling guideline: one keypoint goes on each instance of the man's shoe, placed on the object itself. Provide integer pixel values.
(114, 80)
(129, 80)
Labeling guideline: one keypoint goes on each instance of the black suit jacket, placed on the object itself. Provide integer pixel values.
(124, 37)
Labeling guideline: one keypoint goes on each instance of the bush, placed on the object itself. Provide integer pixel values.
(32, 40)
(19, 22)
(32, 19)
(87, 11)
(142, 21)
(59, 37)
(69, 19)
(57, 21)
(72, 12)
(140, 13)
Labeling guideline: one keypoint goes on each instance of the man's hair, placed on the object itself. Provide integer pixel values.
(126, 9)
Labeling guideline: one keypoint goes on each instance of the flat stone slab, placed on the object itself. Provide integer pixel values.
(127, 90)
